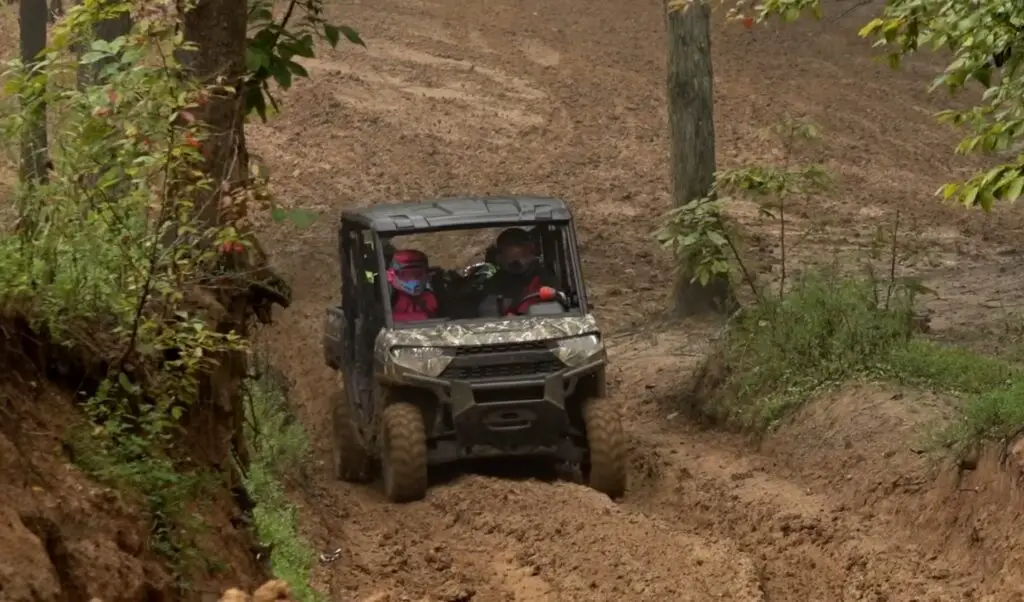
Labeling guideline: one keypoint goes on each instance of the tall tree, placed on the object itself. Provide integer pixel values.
(218, 28)
(692, 131)
(32, 19)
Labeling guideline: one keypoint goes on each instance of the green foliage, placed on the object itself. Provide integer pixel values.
(698, 234)
(106, 251)
(990, 390)
(953, 370)
(699, 239)
(825, 330)
(114, 243)
(171, 492)
(828, 330)
(984, 41)
(279, 449)
(273, 44)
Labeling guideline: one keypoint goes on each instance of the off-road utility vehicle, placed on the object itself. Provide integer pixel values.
(479, 378)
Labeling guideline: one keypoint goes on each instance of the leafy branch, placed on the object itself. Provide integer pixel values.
(273, 44)
(697, 233)
(984, 41)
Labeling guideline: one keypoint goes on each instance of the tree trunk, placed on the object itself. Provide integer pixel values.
(32, 19)
(56, 10)
(218, 27)
(692, 130)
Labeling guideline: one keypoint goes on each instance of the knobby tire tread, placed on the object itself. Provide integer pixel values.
(607, 442)
(407, 453)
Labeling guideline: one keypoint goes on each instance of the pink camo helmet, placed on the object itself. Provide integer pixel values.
(408, 271)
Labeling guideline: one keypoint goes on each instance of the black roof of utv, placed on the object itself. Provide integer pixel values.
(458, 212)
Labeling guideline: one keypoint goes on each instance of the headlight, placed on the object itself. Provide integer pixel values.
(428, 361)
(578, 350)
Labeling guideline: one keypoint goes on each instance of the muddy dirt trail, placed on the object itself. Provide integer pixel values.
(566, 98)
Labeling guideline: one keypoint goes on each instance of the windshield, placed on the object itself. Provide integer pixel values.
(481, 273)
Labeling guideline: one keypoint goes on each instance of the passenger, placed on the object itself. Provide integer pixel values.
(519, 272)
(411, 297)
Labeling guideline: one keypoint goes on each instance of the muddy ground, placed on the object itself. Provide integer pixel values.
(567, 99)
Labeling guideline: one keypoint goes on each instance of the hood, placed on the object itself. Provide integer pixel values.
(493, 332)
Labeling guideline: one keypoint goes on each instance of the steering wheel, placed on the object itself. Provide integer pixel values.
(481, 270)
(545, 293)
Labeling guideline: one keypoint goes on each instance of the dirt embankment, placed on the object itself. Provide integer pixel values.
(67, 538)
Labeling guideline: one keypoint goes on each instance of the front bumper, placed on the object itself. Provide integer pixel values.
(505, 415)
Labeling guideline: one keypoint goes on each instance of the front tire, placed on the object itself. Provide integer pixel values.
(606, 440)
(351, 461)
(403, 456)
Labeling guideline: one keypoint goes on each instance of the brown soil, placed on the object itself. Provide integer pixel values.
(64, 537)
(567, 99)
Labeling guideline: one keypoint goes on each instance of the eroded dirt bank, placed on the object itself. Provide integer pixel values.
(64, 537)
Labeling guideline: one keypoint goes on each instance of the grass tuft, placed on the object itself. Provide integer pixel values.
(828, 330)
(279, 448)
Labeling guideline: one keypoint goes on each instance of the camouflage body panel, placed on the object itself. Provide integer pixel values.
(495, 332)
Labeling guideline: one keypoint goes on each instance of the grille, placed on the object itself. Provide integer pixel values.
(503, 348)
(502, 370)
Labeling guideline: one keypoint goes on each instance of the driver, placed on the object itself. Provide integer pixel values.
(519, 273)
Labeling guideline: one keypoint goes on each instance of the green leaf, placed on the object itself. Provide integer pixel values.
(279, 70)
(717, 239)
(984, 76)
(301, 218)
(332, 33)
(871, 28)
(255, 58)
(303, 48)
(255, 101)
(93, 57)
(1013, 190)
(297, 69)
(351, 35)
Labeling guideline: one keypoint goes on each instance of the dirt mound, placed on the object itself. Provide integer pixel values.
(865, 444)
(65, 537)
(840, 503)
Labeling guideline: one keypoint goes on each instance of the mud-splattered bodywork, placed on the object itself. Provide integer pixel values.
(437, 340)
(502, 386)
